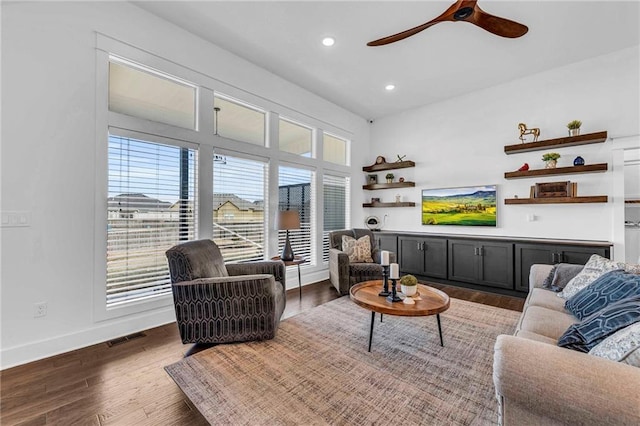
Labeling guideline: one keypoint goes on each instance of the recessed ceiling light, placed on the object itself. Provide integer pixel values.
(389, 87)
(328, 41)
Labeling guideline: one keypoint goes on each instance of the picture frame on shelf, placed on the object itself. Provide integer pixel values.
(372, 179)
(375, 200)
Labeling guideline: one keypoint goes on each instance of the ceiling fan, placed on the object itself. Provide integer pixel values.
(463, 10)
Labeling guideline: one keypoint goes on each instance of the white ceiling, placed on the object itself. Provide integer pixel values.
(444, 61)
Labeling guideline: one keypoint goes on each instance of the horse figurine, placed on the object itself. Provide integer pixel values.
(524, 131)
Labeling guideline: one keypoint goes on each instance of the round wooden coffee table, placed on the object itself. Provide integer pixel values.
(433, 302)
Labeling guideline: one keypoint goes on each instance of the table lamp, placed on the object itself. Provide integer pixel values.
(288, 219)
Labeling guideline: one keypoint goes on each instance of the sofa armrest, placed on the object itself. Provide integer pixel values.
(272, 267)
(568, 386)
(339, 270)
(537, 274)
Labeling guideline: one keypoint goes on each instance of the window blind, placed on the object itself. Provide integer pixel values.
(295, 193)
(239, 200)
(335, 192)
(151, 207)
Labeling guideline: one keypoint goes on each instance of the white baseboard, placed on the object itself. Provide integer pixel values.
(107, 330)
(101, 332)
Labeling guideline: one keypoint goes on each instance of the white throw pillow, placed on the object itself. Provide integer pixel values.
(358, 250)
(622, 346)
(595, 267)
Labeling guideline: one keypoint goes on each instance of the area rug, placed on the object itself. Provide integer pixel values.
(317, 370)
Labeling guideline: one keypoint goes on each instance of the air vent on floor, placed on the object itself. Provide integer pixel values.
(124, 339)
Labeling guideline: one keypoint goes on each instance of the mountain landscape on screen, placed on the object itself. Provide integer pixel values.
(466, 206)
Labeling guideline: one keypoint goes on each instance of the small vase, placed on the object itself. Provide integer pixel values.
(551, 164)
(574, 132)
(408, 290)
(389, 180)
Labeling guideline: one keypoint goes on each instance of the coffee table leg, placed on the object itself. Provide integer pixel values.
(373, 317)
(381, 315)
(439, 329)
(299, 282)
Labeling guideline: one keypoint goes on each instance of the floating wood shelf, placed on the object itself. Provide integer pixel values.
(591, 168)
(402, 204)
(389, 185)
(632, 201)
(558, 200)
(588, 138)
(389, 166)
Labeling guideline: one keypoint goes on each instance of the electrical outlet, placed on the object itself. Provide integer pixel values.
(40, 309)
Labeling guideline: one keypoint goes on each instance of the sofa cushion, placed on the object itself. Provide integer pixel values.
(597, 327)
(358, 250)
(546, 299)
(594, 268)
(607, 289)
(537, 337)
(560, 276)
(546, 322)
(622, 346)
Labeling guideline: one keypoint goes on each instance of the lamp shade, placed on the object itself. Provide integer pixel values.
(288, 219)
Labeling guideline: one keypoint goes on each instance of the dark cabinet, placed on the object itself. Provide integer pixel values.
(423, 256)
(387, 242)
(550, 254)
(488, 263)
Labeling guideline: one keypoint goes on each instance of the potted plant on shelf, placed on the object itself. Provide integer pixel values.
(409, 285)
(389, 177)
(574, 127)
(551, 159)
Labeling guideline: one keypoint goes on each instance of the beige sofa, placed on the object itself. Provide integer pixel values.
(539, 383)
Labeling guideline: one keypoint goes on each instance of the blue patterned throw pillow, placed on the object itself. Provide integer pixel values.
(595, 328)
(607, 289)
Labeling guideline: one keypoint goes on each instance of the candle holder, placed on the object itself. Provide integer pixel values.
(385, 281)
(393, 297)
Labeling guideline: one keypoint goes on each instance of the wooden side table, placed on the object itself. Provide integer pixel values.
(297, 260)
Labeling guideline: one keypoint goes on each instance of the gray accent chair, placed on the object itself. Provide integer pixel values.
(344, 274)
(222, 303)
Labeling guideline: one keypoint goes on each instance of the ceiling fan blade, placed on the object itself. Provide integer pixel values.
(496, 25)
(447, 15)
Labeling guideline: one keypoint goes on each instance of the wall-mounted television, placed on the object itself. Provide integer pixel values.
(465, 206)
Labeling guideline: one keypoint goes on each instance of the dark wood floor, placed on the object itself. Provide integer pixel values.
(126, 384)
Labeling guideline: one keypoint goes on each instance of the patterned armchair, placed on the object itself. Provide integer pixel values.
(221, 303)
(342, 273)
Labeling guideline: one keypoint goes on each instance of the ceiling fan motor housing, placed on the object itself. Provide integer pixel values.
(463, 13)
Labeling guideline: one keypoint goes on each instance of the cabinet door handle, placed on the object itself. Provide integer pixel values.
(418, 245)
(424, 246)
(480, 251)
(555, 257)
(475, 251)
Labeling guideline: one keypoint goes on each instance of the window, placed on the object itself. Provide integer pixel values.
(295, 193)
(239, 204)
(334, 149)
(151, 207)
(237, 121)
(144, 93)
(336, 208)
(295, 138)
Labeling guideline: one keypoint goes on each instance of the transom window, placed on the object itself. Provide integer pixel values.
(238, 121)
(295, 138)
(142, 92)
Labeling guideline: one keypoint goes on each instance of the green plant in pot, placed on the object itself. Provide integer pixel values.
(551, 159)
(389, 177)
(408, 285)
(574, 127)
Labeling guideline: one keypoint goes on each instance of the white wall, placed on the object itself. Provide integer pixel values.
(48, 159)
(460, 142)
